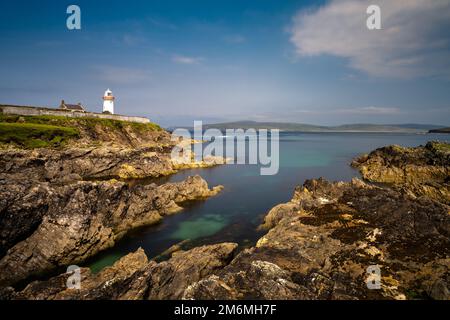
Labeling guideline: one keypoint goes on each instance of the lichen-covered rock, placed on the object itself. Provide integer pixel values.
(321, 246)
(417, 171)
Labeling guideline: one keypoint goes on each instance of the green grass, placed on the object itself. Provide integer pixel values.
(32, 132)
(84, 122)
(32, 135)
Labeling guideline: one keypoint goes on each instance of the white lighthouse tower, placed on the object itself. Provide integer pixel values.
(108, 102)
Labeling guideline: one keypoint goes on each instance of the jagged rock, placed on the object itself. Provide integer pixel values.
(312, 194)
(22, 207)
(170, 278)
(111, 283)
(321, 243)
(256, 279)
(417, 171)
(133, 277)
(81, 219)
(74, 164)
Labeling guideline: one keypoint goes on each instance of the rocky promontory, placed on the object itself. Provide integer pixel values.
(441, 130)
(61, 204)
(39, 148)
(421, 171)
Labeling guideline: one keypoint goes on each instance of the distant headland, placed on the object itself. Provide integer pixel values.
(441, 130)
(301, 127)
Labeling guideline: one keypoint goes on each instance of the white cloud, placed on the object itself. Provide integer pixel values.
(414, 40)
(121, 75)
(186, 60)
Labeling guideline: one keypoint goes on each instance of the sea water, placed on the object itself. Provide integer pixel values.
(234, 214)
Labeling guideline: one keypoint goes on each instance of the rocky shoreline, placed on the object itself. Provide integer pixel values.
(421, 171)
(79, 220)
(317, 246)
(60, 206)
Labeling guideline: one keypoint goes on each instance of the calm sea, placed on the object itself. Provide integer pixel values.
(235, 213)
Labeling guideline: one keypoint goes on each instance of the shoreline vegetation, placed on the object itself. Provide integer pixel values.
(32, 135)
(317, 246)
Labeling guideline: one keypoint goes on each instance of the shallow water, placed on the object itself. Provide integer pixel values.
(235, 213)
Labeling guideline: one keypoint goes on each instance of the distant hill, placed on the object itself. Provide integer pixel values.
(440, 130)
(417, 126)
(302, 127)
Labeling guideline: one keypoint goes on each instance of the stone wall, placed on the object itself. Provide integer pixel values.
(42, 111)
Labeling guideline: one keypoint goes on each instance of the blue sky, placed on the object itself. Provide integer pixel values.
(266, 60)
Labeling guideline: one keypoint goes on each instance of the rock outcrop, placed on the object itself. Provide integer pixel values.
(418, 171)
(103, 162)
(53, 226)
(321, 243)
(133, 277)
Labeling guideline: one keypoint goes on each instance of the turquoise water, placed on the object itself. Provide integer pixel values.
(235, 213)
(203, 226)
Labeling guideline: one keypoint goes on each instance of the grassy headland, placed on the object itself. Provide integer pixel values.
(31, 135)
(56, 131)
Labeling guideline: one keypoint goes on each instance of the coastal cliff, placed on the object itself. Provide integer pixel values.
(40, 149)
(319, 245)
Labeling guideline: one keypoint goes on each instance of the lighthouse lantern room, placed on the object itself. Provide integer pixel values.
(108, 102)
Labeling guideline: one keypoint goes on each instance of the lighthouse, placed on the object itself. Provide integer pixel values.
(108, 102)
